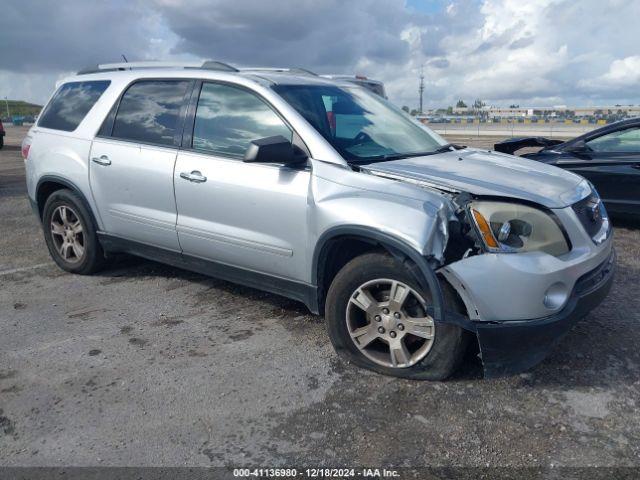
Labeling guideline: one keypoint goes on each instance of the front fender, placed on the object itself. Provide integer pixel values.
(416, 216)
(406, 220)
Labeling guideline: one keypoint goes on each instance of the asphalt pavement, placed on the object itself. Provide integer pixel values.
(144, 364)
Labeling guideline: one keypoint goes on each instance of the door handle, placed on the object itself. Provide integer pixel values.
(194, 176)
(102, 160)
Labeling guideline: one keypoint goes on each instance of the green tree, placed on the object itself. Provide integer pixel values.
(461, 104)
(478, 104)
(405, 108)
(478, 111)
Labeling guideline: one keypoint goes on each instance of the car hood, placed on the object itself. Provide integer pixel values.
(482, 172)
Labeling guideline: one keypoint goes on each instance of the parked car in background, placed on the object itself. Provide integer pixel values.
(2, 134)
(609, 157)
(321, 191)
(436, 119)
(376, 86)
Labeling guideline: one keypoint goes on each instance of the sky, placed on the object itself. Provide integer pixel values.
(528, 52)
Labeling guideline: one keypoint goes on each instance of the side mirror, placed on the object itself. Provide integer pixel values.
(578, 147)
(276, 149)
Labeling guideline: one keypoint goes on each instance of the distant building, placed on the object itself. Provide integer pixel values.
(528, 112)
(630, 111)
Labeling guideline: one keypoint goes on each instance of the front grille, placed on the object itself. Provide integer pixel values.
(593, 217)
(591, 280)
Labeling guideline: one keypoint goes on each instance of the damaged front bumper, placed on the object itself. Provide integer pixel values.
(509, 347)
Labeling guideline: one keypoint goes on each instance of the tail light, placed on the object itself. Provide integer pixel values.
(26, 146)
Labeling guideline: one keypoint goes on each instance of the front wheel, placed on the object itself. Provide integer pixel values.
(378, 318)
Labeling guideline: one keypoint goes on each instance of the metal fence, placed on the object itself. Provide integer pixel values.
(551, 130)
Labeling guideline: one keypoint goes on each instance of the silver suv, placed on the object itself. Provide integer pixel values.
(324, 192)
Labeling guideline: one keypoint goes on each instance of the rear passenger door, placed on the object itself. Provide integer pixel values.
(132, 162)
(247, 215)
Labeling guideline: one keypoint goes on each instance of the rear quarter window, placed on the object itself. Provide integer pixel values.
(70, 104)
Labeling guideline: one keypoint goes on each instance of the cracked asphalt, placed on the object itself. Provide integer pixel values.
(144, 364)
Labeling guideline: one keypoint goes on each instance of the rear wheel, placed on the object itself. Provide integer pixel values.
(70, 233)
(378, 318)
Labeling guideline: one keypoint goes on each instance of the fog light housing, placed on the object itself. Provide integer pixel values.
(556, 296)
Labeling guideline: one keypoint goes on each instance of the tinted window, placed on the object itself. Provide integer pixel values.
(149, 111)
(229, 118)
(622, 141)
(70, 105)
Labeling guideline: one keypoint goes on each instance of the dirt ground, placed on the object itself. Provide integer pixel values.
(145, 364)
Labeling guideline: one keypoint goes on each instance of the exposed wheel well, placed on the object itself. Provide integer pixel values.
(47, 186)
(335, 254)
(45, 189)
(340, 250)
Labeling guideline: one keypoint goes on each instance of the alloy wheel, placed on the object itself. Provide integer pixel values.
(67, 234)
(388, 322)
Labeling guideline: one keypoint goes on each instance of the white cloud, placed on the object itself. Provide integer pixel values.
(622, 74)
(27, 86)
(542, 51)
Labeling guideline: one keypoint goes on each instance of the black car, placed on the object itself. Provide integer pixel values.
(609, 157)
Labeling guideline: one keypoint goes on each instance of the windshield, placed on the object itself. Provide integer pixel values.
(360, 125)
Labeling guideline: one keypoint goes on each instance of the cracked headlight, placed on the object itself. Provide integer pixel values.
(513, 228)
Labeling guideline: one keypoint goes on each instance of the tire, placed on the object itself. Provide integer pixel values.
(433, 359)
(82, 253)
(1, 141)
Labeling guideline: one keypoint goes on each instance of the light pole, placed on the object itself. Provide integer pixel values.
(421, 87)
(6, 102)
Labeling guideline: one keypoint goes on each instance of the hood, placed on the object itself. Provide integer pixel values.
(482, 172)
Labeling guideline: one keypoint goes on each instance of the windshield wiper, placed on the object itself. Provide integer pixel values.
(399, 156)
(448, 146)
(385, 158)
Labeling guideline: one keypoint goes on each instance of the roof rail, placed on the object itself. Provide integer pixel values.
(297, 70)
(110, 67)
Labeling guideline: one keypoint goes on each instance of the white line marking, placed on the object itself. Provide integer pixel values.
(24, 269)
